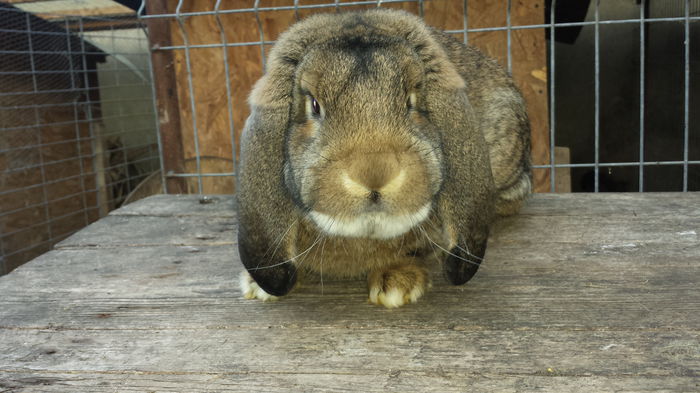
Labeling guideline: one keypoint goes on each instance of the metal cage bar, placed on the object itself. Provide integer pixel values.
(193, 107)
(509, 28)
(457, 31)
(552, 95)
(686, 95)
(596, 65)
(642, 59)
(227, 73)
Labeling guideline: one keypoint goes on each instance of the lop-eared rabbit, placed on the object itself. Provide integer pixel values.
(376, 147)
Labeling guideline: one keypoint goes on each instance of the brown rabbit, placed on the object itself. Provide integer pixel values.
(375, 147)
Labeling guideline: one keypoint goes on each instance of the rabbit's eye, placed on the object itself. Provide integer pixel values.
(315, 106)
(411, 101)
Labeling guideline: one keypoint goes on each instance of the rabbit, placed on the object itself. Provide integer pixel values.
(376, 147)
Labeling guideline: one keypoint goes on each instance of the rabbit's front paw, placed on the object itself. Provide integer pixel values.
(251, 289)
(397, 285)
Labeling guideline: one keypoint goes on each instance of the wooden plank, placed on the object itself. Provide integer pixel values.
(356, 351)
(562, 183)
(635, 204)
(199, 290)
(394, 380)
(139, 231)
(53, 9)
(597, 231)
(111, 12)
(633, 232)
(180, 205)
(621, 286)
(577, 294)
(209, 98)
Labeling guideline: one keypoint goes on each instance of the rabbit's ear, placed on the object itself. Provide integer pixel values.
(465, 202)
(275, 88)
(266, 214)
(462, 262)
(276, 276)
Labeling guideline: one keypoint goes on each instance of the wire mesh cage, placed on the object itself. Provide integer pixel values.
(610, 86)
(77, 124)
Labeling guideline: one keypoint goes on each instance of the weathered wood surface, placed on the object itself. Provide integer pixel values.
(579, 293)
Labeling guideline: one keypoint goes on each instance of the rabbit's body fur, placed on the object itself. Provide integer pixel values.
(376, 146)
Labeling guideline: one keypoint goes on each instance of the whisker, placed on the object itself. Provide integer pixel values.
(323, 248)
(318, 239)
(454, 255)
(433, 248)
(469, 252)
(278, 243)
(432, 224)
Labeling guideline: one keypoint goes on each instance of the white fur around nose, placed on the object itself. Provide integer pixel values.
(378, 225)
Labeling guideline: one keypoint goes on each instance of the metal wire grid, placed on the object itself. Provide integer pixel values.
(179, 16)
(54, 80)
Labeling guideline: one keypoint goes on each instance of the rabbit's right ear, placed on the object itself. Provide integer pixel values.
(267, 216)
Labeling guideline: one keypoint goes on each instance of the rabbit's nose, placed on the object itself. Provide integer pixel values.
(374, 175)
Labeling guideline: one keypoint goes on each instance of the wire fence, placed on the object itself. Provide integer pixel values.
(77, 124)
(610, 86)
(618, 147)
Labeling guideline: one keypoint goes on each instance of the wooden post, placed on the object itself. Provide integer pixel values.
(166, 97)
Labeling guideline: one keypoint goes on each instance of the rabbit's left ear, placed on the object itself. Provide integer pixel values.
(465, 202)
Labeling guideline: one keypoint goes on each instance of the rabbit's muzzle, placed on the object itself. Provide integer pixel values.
(377, 195)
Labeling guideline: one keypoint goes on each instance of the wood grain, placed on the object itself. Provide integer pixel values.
(579, 293)
(337, 382)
